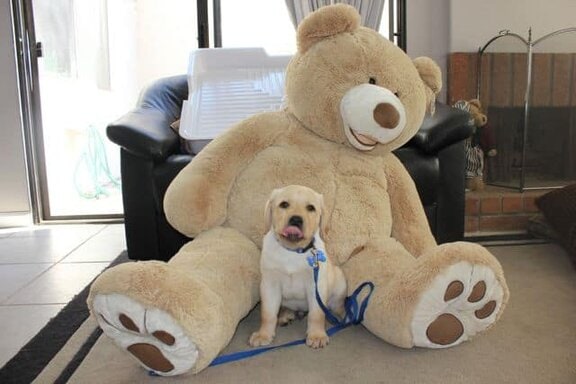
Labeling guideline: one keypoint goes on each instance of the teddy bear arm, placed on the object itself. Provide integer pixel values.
(197, 198)
(409, 224)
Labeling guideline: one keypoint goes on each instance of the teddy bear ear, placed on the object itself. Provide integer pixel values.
(476, 103)
(326, 21)
(432, 77)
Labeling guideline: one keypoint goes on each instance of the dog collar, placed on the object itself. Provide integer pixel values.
(306, 248)
(302, 250)
(317, 255)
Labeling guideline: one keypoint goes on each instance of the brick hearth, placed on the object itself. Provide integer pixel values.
(498, 210)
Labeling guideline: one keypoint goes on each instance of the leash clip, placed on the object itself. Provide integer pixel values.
(316, 258)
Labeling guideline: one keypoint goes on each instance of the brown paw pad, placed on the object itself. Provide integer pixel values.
(478, 292)
(151, 357)
(454, 290)
(164, 337)
(486, 310)
(446, 329)
(128, 323)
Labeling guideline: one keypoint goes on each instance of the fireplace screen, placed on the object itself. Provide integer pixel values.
(528, 90)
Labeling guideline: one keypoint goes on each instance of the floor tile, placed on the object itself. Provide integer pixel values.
(19, 324)
(34, 282)
(104, 246)
(43, 249)
(4, 234)
(59, 284)
(79, 231)
(16, 276)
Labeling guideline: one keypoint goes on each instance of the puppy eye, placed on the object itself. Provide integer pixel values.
(284, 205)
(397, 94)
(372, 80)
(310, 208)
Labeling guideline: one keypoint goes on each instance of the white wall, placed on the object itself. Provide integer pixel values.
(428, 34)
(438, 27)
(474, 22)
(13, 180)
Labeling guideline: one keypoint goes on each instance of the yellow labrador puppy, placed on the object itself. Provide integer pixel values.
(294, 216)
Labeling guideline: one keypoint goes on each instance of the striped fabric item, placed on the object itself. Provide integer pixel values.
(474, 154)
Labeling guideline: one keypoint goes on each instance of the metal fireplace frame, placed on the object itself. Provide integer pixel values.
(530, 44)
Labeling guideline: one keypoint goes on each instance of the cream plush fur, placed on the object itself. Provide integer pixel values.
(176, 317)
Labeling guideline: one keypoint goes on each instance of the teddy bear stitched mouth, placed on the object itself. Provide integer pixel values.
(292, 233)
(362, 139)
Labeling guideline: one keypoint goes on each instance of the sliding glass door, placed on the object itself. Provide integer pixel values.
(83, 65)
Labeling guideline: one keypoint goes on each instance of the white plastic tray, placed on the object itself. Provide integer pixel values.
(226, 85)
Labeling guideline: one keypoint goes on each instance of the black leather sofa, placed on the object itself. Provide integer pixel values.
(151, 156)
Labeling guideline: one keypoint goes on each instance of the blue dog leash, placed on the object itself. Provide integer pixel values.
(354, 314)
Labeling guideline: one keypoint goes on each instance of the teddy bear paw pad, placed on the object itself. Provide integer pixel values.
(459, 303)
(149, 334)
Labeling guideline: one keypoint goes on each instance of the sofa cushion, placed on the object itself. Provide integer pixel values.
(559, 208)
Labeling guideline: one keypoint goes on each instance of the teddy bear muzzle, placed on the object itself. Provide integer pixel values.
(371, 115)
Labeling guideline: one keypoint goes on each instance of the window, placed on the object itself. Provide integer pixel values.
(267, 24)
(257, 23)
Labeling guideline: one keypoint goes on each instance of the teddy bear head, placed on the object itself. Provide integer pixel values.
(475, 110)
(352, 86)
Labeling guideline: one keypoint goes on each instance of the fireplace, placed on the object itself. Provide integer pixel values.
(528, 91)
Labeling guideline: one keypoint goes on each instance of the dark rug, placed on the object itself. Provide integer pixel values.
(38, 352)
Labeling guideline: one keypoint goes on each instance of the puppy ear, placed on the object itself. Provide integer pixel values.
(268, 209)
(268, 215)
(323, 220)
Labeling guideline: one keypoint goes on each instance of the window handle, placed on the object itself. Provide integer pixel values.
(38, 50)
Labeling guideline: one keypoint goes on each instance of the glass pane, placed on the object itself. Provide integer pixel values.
(258, 23)
(97, 56)
(384, 29)
(551, 134)
(77, 102)
(243, 23)
(502, 88)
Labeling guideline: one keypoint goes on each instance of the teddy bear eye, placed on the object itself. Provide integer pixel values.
(397, 94)
(284, 205)
(310, 208)
(372, 80)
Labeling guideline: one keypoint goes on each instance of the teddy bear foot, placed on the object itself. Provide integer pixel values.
(461, 302)
(151, 335)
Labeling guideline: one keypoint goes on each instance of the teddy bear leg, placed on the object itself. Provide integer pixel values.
(437, 300)
(176, 317)
(465, 296)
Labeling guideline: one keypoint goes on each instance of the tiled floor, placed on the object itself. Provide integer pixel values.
(42, 268)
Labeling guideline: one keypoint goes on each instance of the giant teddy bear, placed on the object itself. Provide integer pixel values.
(352, 97)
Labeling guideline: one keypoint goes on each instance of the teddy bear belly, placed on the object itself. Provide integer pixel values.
(355, 197)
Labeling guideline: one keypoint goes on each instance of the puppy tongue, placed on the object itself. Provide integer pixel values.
(292, 232)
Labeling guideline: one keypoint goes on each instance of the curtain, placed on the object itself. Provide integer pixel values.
(370, 10)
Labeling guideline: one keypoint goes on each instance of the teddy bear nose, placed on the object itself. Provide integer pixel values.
(386, 115)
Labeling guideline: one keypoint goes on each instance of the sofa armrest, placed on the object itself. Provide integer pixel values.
(145, 132)
(447, 126)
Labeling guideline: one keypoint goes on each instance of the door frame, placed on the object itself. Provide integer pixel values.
(29, 88)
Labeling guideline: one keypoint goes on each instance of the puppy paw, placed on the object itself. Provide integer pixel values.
(260, 338)
(317, 340)
(286, 316)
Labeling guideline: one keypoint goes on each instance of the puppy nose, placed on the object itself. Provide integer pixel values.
(296, 221)
(386, 115)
